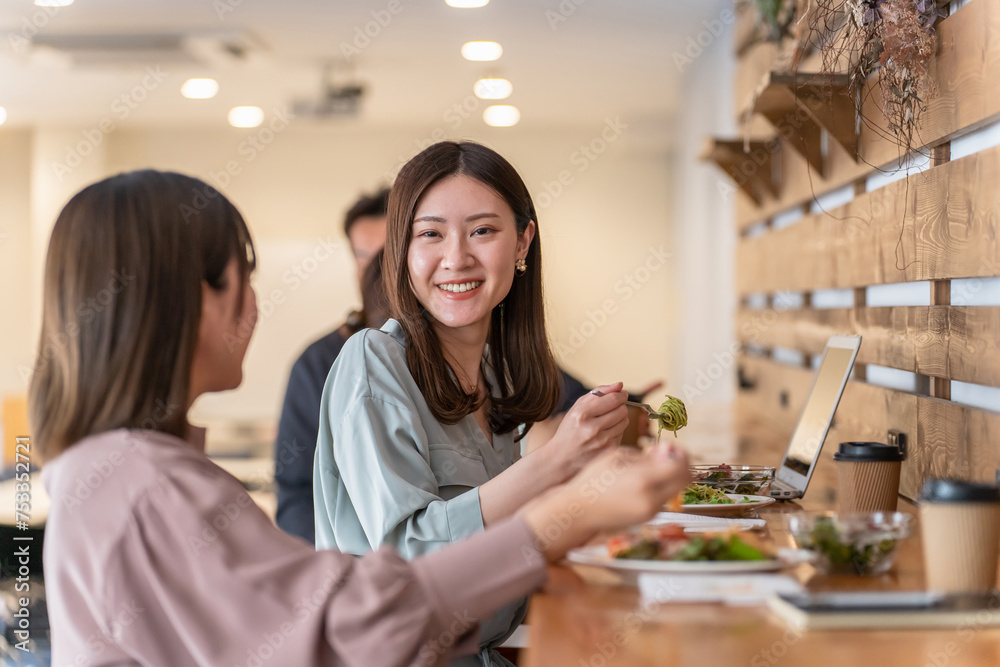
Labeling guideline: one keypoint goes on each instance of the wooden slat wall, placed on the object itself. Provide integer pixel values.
(944, 438)
(939, 225)
(969, 97)
(952, 342)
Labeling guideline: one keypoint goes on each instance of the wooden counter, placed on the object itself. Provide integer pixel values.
(583, 619)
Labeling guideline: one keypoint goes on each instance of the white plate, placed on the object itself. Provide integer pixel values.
(700, 523)
(757, 501)
(598, 555)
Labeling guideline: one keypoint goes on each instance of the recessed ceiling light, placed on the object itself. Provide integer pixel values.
(200, 89)
(501, 115)
(481, 51)
(493, 89)
(467, 4)
(3, 115)
(53, 3)
(246, 116)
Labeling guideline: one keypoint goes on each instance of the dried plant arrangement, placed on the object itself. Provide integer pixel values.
(890, 42)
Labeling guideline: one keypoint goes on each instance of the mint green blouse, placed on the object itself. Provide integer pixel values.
(388, 472)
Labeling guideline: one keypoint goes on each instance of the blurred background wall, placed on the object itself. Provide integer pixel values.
(614, 99)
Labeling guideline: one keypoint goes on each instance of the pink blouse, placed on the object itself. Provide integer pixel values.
(156, 556)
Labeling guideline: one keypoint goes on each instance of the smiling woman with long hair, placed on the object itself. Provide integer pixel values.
(421, 420)
(156, 556)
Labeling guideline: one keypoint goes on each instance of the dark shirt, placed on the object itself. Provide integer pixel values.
(299, 426)
(297, 431)
(571, 390)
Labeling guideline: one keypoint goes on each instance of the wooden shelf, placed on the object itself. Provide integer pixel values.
(801, 106)
(751, 165)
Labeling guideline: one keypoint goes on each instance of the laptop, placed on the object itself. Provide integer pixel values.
(834, 371)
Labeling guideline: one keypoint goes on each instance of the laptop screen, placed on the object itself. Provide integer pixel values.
(811, 430)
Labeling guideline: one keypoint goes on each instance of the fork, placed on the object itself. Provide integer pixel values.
(650, 412)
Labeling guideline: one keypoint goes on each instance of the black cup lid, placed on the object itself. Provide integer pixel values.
(867, 451)
(958, 491)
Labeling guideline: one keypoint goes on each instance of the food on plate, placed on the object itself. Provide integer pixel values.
(741, 479)
(670, 542)
(699, 494)
(673, 415)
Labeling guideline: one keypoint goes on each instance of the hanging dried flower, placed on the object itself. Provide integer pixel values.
(890, 40)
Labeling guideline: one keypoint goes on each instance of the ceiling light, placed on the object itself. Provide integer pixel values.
(481, 50)
(493, 89)
(53, 3)
(246, 116)
(467, 4)
(3, 115)
(200, 89)
(501, 115)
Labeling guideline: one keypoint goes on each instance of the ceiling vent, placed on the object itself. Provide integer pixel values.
(340, 96)
(129, 50)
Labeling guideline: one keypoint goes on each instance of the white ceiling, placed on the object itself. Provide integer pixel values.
(571, 61)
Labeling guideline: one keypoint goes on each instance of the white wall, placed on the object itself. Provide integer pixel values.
(706, 233)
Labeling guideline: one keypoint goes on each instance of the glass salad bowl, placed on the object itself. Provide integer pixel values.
(862, 543)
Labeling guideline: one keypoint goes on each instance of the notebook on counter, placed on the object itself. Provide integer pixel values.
(886, 609)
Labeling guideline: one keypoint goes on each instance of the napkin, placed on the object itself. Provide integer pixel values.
(700, 523)
(731, 589)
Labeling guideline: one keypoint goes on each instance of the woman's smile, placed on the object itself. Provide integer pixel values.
(460, 289)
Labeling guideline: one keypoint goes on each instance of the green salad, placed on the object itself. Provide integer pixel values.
(719, 547)
(700, 494)
(844, 553)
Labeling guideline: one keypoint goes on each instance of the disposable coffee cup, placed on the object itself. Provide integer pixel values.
(867, 476)
(960, 525)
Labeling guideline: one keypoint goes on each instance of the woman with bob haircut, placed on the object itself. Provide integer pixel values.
(156, 556)
(421, 420)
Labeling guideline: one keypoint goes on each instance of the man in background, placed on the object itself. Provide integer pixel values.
(364, 226)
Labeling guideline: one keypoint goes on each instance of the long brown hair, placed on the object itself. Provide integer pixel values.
(526, 373)
(122, 304)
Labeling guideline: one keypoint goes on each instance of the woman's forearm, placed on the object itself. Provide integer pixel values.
(506, 493)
